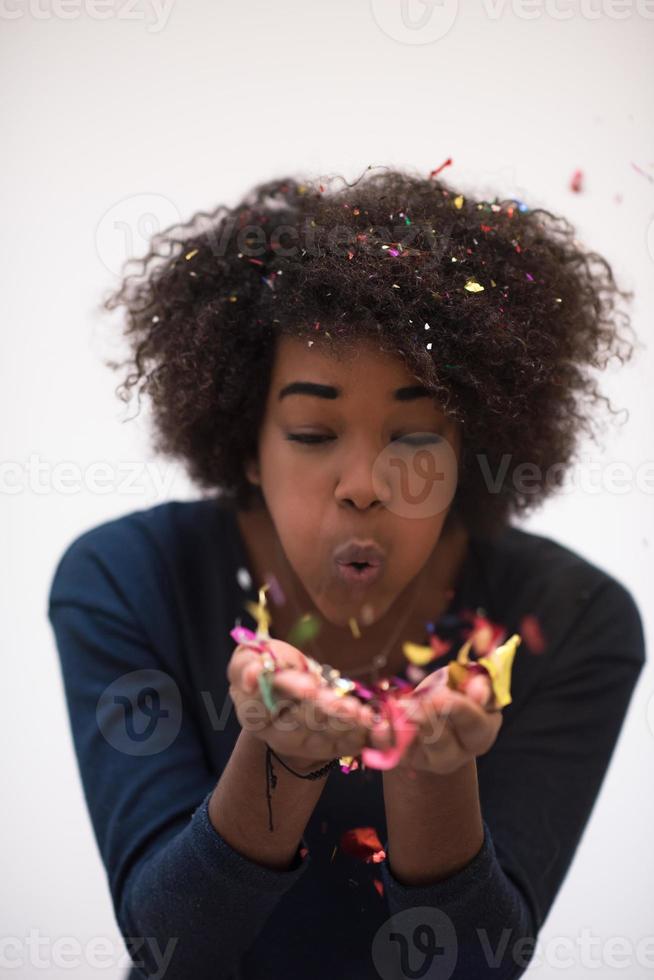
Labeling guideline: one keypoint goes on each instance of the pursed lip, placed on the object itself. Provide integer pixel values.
(355, 551)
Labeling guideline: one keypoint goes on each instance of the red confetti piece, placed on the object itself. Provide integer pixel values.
(484, 634)
(362, 843)
(440, 647)
(303, 852)
(533, 634)
(643, 173)
(379, 885)
(448, 163)
(576, 181)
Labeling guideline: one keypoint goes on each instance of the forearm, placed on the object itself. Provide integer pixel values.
(441, 856)
(238, 808)
(205, 895)
(434, 822)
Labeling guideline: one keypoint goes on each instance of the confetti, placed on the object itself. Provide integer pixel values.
(448, 163)
(577, 181)
(404, 730)
(354, 627)
(497, 665)
(473, 286)
(362, 843)
(191, 254)
(533, 634)
(458, 202)
(643, 173)
(304, 630)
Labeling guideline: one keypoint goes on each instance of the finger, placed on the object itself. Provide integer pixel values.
(472, 724)
(480, 689)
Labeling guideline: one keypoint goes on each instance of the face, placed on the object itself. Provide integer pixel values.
(353, 448)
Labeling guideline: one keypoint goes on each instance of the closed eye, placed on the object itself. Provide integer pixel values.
(311, 439)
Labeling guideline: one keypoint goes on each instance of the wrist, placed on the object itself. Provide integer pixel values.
(300, 765)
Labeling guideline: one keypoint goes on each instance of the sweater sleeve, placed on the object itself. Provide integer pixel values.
(187, 903)
(538, 786)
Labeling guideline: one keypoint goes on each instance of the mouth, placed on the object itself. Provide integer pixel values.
(359, 564)
(358, 573)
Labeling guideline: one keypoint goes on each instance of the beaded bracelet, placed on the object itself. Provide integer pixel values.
(271, 778)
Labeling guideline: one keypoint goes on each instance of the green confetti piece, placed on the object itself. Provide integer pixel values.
(304, 630)
(267, 693)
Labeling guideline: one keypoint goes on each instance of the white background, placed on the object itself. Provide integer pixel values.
(113, 124)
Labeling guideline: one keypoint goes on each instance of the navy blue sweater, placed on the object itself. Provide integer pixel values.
(141, 607)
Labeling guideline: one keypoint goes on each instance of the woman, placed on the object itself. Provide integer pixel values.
(357, 377)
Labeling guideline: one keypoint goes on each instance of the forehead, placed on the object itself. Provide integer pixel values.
(361, 362)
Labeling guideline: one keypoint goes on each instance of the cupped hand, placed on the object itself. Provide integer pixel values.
(453, 727)
(313, 724)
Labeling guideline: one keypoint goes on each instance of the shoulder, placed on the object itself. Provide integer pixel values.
(134, 548)
(565, 590)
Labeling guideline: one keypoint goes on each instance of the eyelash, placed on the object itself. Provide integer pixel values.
(314, 440)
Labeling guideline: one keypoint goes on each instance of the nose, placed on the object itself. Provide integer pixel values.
(355, 485)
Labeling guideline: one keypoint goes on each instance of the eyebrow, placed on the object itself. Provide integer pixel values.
(406, 394)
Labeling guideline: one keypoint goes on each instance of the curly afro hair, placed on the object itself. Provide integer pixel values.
(495, 307)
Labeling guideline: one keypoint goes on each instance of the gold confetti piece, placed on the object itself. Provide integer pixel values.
(260, 612)
(473, 286)
(354, 626)
(193, 252)
(417, 654)
(498, 664)
(458, 202)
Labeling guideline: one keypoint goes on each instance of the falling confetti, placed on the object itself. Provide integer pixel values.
(533, 634)
(643, 173)
(362, 843)
(473, 286)
(448, 163)
(577, 181)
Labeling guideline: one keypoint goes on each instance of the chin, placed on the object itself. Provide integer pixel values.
(340, 612)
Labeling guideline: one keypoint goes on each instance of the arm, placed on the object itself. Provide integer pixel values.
(239, 812)
(538, 785)
(186, 898)
(419, 805)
